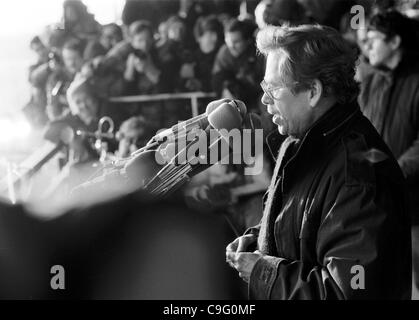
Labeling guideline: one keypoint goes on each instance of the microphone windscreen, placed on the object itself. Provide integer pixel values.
(225, 117)
(215, 104)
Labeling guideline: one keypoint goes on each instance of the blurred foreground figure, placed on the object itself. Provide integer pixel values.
(335, 225)
(127, 248)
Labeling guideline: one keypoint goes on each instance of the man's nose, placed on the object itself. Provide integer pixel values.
(266, 100)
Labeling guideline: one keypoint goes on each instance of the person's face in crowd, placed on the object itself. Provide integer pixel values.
(236, 43)
(208, 41)
(380, 49)
(87, 106)
(109, 37)
(163, 31)
(73, 61)
(41, 51)
(176, 31)
(128, 143)
(362, 41)
(291, 113)
(142, 41)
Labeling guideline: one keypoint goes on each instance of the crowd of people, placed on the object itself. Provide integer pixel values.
(139, 59)
(210, 46)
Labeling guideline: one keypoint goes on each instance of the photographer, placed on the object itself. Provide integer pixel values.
(173, 53)
(64, 69)
(111, 35)
(141, 73)
(54, 76)
(237, 69)
(197, 74)
(131, 136)
(86, 108)
(35, 108)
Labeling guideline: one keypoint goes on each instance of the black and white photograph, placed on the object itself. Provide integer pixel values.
(209, 154)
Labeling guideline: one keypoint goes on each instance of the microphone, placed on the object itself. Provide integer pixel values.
(132, 176)
(199, 122)
(225, 118)
(190, 160)
(111, 182)
(182, 129)
(144, 167)
(221, 148)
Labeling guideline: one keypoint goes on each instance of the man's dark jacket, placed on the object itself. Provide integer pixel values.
(335, 224)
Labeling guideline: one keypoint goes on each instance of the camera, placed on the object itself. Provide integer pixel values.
(55, 57)
(140, 54)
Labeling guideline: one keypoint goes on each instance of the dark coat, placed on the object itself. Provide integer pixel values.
(336, 201)
(390, 100)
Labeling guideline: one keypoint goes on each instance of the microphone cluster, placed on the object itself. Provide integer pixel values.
(173, 156)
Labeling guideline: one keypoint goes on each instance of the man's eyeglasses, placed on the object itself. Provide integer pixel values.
(272, 93)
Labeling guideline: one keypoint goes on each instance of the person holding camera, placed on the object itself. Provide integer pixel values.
(141, 72)
(196, 75)
(237, 69)
(54, 76)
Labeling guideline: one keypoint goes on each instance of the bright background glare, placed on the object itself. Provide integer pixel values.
(20, 20)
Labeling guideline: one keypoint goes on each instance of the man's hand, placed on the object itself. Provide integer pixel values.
(241, 244)
(244, 263)
(130, 67)
(140, 64)
(239, 259)
(187, 71)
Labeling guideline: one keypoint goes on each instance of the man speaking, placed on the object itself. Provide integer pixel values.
(334, 224)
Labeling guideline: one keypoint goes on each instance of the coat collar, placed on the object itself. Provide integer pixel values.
(323, 129)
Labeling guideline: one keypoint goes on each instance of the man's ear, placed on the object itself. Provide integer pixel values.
(315, 93)
(395, 42)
